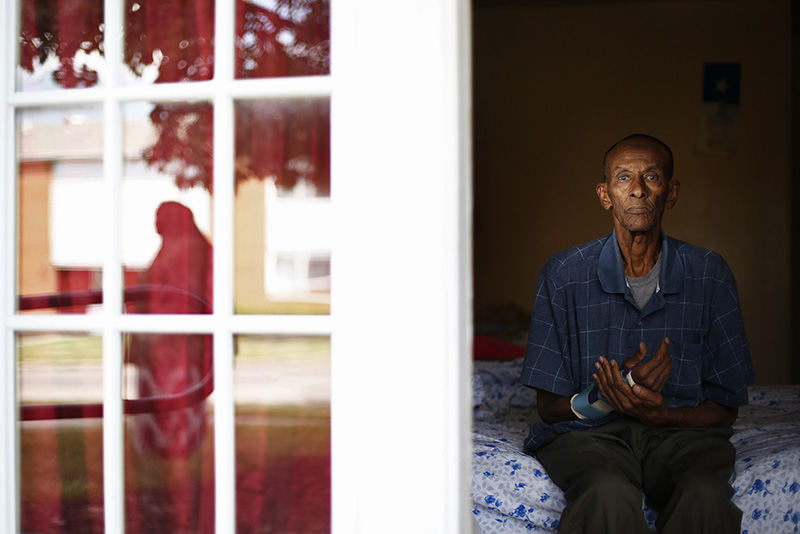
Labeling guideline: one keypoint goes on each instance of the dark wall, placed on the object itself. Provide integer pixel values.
(557, 83)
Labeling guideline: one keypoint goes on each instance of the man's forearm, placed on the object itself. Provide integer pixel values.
(553, 408)
(707, 413)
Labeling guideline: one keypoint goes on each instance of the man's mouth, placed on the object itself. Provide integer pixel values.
(637, 210)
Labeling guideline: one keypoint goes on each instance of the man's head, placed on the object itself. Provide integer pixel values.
(643, 138)
(638, 185)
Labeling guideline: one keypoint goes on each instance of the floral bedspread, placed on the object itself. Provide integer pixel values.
(512, 493)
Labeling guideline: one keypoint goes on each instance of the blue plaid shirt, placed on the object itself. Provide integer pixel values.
(584, 310)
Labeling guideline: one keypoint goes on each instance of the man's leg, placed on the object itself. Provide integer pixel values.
(685, 475)
(601, 479)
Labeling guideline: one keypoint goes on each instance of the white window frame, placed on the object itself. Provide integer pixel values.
(401, 319)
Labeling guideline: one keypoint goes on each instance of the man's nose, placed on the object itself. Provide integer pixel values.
(638, 190)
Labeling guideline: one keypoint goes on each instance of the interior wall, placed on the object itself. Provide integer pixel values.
(556, 85)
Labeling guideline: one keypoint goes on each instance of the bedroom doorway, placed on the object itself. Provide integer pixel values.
(556, 83)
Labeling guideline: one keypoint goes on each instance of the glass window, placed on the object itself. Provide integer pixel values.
(282, 38)
(61, 44)
(282, 207)
(59, 210)
(107, 207)
(167, 251)
(60, 391)
(169, 453)
(282, 396)
(169, 41)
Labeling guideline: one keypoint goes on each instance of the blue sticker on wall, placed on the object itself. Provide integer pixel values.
(721, 82)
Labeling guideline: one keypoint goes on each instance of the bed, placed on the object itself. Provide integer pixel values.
(511, 491)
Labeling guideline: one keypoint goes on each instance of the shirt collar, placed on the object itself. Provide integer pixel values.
(611, 270)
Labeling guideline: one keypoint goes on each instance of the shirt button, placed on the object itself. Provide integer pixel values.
(639, 323)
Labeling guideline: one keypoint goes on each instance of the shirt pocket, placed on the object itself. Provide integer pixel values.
(685, 381)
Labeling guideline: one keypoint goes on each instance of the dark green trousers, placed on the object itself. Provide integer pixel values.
(684, 473)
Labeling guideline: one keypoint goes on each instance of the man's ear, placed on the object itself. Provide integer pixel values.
(602, 194)
(672, 195)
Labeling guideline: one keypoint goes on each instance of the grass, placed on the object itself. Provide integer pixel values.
(62, 349)
(286, 308)
(59, 349)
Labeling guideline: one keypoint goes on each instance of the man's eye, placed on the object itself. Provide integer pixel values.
(651, 177)
(623, 178)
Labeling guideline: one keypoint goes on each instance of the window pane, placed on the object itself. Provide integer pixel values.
(282, 243)
(282, 38)
(169, 40)
(61, 44)
(167, 207)
(60, 233)
(282, 396)
(169, 453)
(61, 432)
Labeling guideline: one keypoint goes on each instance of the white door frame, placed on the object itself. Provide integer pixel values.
(401, 271)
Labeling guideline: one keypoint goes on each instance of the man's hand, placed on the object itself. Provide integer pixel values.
(648, 406)
(654, 373)
(639, 402)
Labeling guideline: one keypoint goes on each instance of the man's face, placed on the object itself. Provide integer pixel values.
(637, 189)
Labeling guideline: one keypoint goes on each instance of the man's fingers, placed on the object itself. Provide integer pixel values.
(662, 376)
(637, 357)
(650, 372)
(611, 385)
(602, 378)
(648, 396)
(664, 347)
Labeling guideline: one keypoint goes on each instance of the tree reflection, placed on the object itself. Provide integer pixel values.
(170, 41)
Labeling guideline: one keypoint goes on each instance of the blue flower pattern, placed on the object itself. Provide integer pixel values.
(512, 492)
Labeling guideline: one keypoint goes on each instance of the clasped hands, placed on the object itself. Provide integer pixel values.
(644, 400)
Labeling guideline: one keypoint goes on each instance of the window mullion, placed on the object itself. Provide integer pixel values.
(113, 434)
(224, 428)
(178, 324)
(9, 443)
(294, 87)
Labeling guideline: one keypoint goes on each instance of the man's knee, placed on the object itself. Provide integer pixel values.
(703, 488)
(605, 485)
(603, 501)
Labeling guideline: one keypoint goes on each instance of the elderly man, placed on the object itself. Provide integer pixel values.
(638, 351)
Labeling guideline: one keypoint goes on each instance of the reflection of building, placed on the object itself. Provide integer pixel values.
(282, 250)
(297, 258)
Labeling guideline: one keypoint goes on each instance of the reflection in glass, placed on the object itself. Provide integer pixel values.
(282, 38)
(169, 467)
(166, 213)
(282, 397)
(60, 227)
(60, 381)
(282, 242)
(169, 40)
(61, 44)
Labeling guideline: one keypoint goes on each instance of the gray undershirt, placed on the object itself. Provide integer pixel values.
(643, 287)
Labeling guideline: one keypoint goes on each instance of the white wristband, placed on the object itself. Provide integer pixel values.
(572, 407)
(627, 374)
